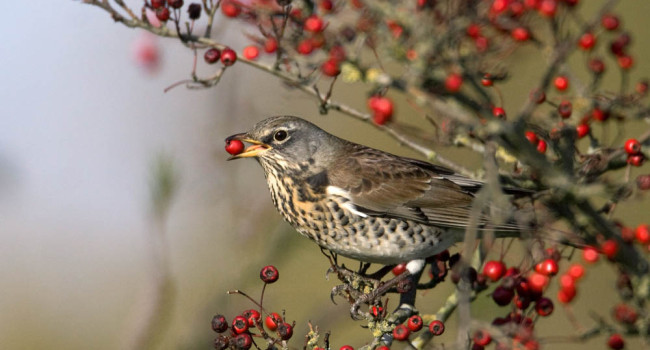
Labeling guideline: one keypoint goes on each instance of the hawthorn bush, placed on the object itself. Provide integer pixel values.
(449, 61)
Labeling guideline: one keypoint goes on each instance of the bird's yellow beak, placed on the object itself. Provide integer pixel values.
(254, 150)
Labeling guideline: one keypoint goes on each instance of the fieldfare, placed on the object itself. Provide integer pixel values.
(358, 201)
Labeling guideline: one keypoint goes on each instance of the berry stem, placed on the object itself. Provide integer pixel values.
(237, 291)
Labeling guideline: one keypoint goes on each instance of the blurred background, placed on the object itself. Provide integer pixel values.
(83, 123)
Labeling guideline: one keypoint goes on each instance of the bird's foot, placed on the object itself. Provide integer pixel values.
(401, 283)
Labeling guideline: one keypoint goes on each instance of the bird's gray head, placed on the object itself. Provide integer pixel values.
(290, 143)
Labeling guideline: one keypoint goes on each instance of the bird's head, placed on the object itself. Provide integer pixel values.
(291, 143)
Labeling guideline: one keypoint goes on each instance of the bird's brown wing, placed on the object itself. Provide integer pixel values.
(382, 184)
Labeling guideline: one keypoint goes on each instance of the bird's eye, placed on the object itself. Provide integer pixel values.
(280, 135)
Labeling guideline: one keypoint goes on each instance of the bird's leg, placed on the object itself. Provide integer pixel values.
(405, 283)
(363, 268)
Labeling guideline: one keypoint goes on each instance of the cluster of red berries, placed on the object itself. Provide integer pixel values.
(538, 142)
(162, 8)
(402, 332)
(228, 56)
(525, 291)
(634, 155)
(239, 333)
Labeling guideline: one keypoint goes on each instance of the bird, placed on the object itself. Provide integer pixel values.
(361, 202)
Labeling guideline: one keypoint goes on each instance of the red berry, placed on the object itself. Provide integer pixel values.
(230, 9)
(494, 270)
(548, 8)
(317, 41)
(596, 65)
(481, 337)
(346, 347)
(599, 114)
(516, 8)
(228, 57)
(487, 80)
(502, 295)
(643, 183)
(414, 323)
(382, 347)
(632, 146)
(635, 159)
(305, 47)
(520, 34)
(194, 11)
(521, 302)
(616, 342)
(565, 295)
(234, 147)
(453, 82)
(512, 272)
(243, 341)
(269, 274)
(641, 87)
(473, 30)
(251, 52)
(576, 271)
(272, 321)
(436, 327)
(499, 6)
(538, 96)
(326, 5)
(609, 21)
(565, 109)
(566, 281)
(547, 267)
(331, 67)
(162, 14)
(314, 24)
(377, 311)
(499, 112)
(541, 146)
(609, 248)
(219, 324)
(401, 332)
(270, 45)
(222, 342)
(561, 83)
(285, 331)
(544, 306)
(537, 282)
(532, 137)
(587, 41)
(481, 43)
(582, 130)
(156, 4)
(625, 62)
(240, 324)
(175, 3)
(252, 316)
(590, 254)
(399, 269)
(625, 314)
(212, 55)
(382, 108)
(642, 233)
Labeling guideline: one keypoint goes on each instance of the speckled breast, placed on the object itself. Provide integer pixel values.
(327, 219)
